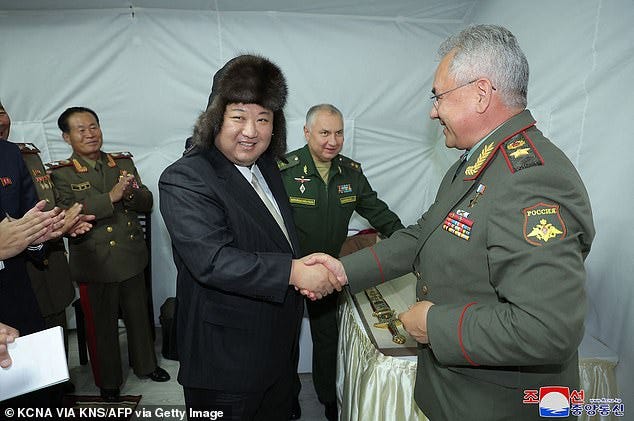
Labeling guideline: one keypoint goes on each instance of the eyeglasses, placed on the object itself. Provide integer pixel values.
(435, 98)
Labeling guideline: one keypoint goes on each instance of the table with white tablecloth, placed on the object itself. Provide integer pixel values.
(375, 377)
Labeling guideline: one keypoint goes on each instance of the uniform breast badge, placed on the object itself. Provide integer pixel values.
(479, 192)
(344, 188)
(6, 181)
(302, 180)
(458, 224)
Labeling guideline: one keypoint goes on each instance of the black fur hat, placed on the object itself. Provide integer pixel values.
(246, 79)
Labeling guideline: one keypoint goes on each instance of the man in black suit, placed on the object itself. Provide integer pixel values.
(234, 243)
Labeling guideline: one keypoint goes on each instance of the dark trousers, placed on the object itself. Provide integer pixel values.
(101, 303)
(325, 333)
(272, 404)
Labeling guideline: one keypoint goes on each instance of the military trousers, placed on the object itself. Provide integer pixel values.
(325, 334)
(102, 303)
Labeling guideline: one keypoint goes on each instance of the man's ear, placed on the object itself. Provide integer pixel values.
(484, 90)
(66, 137)
(306, 133)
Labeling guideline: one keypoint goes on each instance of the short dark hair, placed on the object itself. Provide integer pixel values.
(62, 121)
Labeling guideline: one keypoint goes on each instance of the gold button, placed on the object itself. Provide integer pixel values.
(424, 290)
(113, 243)
(48, 200)
(417, 274)
(109, 229)
(125, 211)
(45, 262)
(131, 236)
(129, 223)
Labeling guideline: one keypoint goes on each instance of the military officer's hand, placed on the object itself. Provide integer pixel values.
(120, 189)
(415, 321)
(7, 335)
(75, 222)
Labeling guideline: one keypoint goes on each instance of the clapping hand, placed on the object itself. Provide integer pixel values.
(75, 222)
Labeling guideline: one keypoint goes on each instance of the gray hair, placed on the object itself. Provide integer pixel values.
(489, 51)
(312, 112)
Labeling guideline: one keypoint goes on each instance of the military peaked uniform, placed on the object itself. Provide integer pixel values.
(500, 253)
(51, 279)
(322, 213)
(108, 262)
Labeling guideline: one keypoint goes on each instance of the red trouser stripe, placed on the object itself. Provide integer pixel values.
(91, 338)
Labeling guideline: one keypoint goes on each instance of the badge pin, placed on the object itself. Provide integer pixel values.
(479, 192)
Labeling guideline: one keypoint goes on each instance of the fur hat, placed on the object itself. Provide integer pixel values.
(246, 79)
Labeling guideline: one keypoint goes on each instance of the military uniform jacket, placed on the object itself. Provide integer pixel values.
(500, 253)
(322, 211)
(51, 278)
(114, 249)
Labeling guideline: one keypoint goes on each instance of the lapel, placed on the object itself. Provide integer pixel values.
(451, 193)
(249, 200)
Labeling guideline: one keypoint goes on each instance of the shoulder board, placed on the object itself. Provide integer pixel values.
(520, 153)
(120, 155)
(28, 148)
(288, 161)
(59, 164)
(347, 162)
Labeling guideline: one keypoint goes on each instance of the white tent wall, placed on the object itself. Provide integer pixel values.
(147, 72)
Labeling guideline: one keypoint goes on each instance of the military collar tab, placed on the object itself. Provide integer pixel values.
(487, 152)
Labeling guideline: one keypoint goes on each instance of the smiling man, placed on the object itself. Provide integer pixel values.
(324, 189)
(108, 262)
(235, 248)
(498, 257)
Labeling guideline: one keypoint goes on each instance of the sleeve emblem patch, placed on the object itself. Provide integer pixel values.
(543, 223)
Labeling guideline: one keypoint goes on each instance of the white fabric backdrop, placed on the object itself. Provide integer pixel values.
(147, 73)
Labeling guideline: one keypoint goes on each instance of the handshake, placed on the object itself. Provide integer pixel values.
(317, 275)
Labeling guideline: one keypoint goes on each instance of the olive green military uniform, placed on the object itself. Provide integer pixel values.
(51, 279)
(500, 254)
(108, 262)
(322, 213)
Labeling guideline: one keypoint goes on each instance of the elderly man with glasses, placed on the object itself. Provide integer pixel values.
(499, 255)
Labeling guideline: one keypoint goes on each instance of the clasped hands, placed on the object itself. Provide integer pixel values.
(124, 187)
(317, 275)
(38, 226)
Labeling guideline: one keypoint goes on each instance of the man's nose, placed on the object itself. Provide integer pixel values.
(433, 112)
(249, 129)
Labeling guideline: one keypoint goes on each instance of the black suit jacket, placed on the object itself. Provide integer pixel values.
(18, 306)
(237, 320)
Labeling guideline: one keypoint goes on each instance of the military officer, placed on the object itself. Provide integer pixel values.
(109, 261)
(324, 188)
(499, 255)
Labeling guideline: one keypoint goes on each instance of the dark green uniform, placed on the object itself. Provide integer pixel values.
(500, 254)
(322, 213)
(108, 262)
(51, 279)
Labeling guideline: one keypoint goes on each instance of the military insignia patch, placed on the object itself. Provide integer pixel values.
(347, 199)
(78, 167)
(520, 153)
(542, 223)
(301, 201)
(344, 188)
(6, 181)
(302, 180)
(81, 186)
